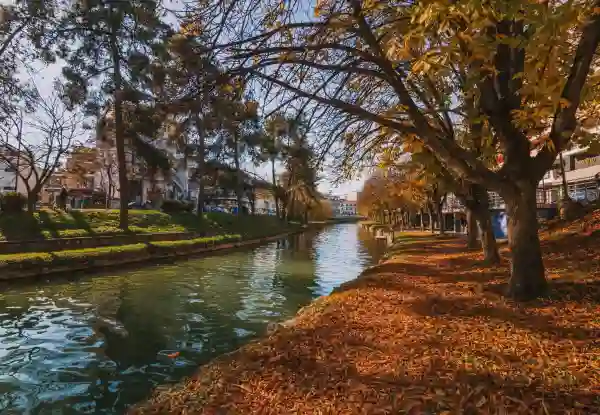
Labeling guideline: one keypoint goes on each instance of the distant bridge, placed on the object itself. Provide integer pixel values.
(347, 219)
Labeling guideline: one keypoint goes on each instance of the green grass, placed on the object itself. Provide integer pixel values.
(197, 241)
(61, 257)
(66, 257)
(47, 224)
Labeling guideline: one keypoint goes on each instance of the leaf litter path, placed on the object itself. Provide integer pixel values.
(425, 332)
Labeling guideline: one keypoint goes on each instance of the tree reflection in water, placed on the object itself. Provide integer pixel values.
(99, 343)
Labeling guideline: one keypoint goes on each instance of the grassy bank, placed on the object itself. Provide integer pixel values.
(47, 224)
(35, 259)
(425, 332)
(215, 229)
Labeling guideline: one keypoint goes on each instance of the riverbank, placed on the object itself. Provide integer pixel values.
(48, 224)
(426, 331)
(163, 236)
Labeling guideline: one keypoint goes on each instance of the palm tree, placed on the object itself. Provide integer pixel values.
(276, 129)
(301, 171)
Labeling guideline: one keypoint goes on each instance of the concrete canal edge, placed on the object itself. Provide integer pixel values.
(16, 271)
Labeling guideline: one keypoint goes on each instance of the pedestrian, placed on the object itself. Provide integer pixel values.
(62, 198)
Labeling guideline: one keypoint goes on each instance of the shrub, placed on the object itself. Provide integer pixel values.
(175, 206)
(218, 239)
(12, 202)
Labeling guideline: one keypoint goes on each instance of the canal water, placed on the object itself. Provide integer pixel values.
(97, 344)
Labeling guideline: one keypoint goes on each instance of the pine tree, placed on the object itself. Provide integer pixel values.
(191, 86)
(115, 44)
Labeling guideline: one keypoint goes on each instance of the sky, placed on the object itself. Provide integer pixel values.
(45, 76)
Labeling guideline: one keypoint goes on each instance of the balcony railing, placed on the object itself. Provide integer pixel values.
(588, 162)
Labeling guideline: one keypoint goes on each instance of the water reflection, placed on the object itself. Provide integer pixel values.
(98, 344)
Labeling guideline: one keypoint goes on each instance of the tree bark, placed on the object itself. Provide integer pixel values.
(477, 206)
(290, 210)
(120, 135)
(239, 179)
(421, 221)
(31, 201)
(431, 226)
(472, 230)
(200, 168)
(527, 280)
(563, 175)
(488, 239)
(440, 216)
(275, 188)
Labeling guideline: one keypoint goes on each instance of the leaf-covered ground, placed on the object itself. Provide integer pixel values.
(425, 332)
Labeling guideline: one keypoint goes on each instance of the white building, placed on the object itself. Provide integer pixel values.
(143, 184)
(341, 206)
(347, 208)
(10, 181)
(581, 168)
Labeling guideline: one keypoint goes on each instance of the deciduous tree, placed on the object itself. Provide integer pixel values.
(34, 144)
(523, 64)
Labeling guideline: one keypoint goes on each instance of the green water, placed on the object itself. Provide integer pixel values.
(97, 344)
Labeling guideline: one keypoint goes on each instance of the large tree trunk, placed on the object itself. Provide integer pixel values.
(275, 188)
(440, 216)
(563, 175)
(120, 135)
(290, 209)
(200, 168)
(472, 230)
(421, 221)
(32, 198)
(431, 224)
(239, 183)
(401, 217)
(488, 239)
(478, 213)
(527, 280)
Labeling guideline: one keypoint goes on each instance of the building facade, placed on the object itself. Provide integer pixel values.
(582, 174)
(341, 206)
(10, 181)
(347, 207)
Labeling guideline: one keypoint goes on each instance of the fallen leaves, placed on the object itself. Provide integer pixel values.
(426, 332)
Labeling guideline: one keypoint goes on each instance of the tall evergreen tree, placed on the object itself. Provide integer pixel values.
(192, 86)
(111, 48)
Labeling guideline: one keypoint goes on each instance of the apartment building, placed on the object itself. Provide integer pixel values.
(145, 184)
(347, 207)
(78, 175)
(581, 169)
(341, 206)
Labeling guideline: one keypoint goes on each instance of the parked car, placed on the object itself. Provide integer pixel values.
(214, 209)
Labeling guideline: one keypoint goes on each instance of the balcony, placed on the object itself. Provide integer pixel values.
(587, 162)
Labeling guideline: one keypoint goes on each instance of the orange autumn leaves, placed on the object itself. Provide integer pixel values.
(424, 332)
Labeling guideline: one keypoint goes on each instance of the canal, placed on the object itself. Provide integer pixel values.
(97, 344)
